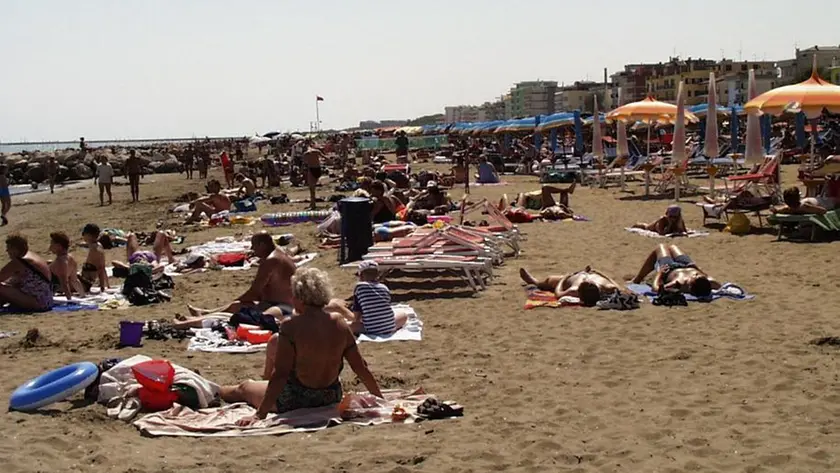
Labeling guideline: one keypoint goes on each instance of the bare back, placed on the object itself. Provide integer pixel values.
(312, 158)
(571, 282)
(319, 340)
(279, 285)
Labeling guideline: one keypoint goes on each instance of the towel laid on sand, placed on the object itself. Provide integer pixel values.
(537, 298)
(221, 422)
(210, 341)
(728, 290)
(118, 388)
(411, 331)
(652, 234)
(111, 299)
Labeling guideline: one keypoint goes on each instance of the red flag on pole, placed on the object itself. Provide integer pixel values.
(318, 98)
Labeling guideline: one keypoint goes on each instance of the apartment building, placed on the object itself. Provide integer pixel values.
(487, 111)
(528, 99)
(577, 96)
(797, 69)
(733, 87)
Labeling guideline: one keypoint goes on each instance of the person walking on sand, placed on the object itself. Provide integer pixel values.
(134, 171)
(5, 194)
(52, 173)
(312, 160)
(105, 176)
(189, 161)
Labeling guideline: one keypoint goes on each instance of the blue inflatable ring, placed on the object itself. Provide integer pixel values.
(54, 386)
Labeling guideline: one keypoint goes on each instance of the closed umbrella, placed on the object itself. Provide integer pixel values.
(678, 155)
(753, 153)
(711, 149)
(622, 148)
(597, 141)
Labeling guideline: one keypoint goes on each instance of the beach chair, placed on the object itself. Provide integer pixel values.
(767, 176)
(667, 180)
(790, 225)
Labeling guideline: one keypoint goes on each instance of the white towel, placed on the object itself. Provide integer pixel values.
(652, 234)
(210, 341)
(412, 331)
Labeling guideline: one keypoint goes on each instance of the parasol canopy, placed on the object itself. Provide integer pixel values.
(648, 110)
(811, 97)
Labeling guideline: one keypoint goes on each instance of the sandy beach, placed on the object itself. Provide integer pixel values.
(731, 386)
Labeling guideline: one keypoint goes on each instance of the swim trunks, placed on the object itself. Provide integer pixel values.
(286, 309)
(297, 396)
(4, 192)
(679, 262)
(315, 172)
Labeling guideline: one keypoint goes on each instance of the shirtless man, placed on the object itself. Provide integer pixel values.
(94, 265)
(247, 187)
(589, 285)
(134, 171)
(270, 290)
(211, 204)
(312, 160)
(676, 271)
(52, 173)
(64, 268)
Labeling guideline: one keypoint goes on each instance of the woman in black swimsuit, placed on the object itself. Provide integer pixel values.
(385, 206)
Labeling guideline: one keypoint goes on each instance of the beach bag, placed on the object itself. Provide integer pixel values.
(245, 205)
(739, 224)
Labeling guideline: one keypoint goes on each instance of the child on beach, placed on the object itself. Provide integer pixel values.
(105, 175)
(371, 313)
(5, 195)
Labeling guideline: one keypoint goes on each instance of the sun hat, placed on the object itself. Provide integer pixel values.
(367, 266)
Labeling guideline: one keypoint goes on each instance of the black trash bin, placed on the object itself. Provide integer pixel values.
(356, 228)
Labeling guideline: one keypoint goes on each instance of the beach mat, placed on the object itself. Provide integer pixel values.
(728, 291)
(536, 298)
(652, 234)
(180, 421)
(412, 331)
(58, 306)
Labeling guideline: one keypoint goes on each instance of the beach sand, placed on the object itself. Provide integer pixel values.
(728, 386)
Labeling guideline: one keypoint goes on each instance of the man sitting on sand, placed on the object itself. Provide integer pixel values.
(64, 269)
(271, 286)
(676, 271)
(669, 224)
(589, 285)
(247, 187)
(210, 204)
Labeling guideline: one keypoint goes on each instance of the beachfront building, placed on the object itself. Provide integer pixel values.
(834, 75)
(733, 87)
(578, 96)
(797, 69)
(695, 72)
(633, 82)
(488, 111)
(528, 99)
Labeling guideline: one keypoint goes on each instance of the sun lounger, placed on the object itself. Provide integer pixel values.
(828, 222)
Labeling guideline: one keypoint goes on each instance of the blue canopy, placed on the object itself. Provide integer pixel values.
(556, 120)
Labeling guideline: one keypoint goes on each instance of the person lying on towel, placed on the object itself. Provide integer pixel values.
(371, 312)
(304, 361)
(670, 223)
(543, 201)
(269, 292)
(589, 285)
(676, 271)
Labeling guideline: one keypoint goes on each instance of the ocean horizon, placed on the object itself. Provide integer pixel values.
(17, 147)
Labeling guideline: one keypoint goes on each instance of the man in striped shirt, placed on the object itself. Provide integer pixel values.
(371, 313)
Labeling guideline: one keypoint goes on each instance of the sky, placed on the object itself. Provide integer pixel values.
(108, 69)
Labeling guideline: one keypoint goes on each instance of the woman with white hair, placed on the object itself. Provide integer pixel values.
(308, 355)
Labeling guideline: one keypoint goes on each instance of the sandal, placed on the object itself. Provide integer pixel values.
(433, 409)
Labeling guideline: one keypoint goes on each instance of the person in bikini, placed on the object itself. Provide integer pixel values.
(93, 268)
(669, 224)
(676, 271)
(161, 247)
(25, 282)
(312, 160)
(543, 201)
(304, 361)
(210, 204)
(271, 287)
(385, 206)
(64, 269)
(589, 285)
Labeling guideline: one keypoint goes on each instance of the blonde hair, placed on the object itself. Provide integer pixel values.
(312, 287)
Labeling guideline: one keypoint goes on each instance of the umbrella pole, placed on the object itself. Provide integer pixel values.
(814, 123)
(647, 159)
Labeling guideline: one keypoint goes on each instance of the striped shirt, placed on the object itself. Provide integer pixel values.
(373, 300)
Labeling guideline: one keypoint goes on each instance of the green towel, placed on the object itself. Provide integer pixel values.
(829, 221)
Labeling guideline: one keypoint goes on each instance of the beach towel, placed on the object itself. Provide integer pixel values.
(652, 234)
(180, 421)
(728, 290)
(210, 341)
(537, 298)
(411, 331)
(111, 299)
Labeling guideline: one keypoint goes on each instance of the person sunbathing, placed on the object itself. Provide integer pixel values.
(64, 269)
(210, 204)
(371, 313)
(796, 206)
(589, 285)
(676, 271)
(432, 201)
(541, 200)
(669, 224)
(93, 268)
(161, 247)
(306, 358)
(247, 188)
(271, 286)
(385, 206)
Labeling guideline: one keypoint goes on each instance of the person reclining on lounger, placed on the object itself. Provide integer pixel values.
(676, 271)
(271, 286)
(210, 204)
(794, 205)
(669, 224)
(371, 313)
(589, 285)
(304, 361)
(543, 201)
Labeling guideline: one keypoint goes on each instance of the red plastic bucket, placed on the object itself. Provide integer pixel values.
(155, 375)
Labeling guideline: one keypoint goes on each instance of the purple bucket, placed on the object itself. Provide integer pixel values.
(131, 333)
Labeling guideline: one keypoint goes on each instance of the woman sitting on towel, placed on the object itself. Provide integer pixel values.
(371, 313)
(385, 206)
(669, 224)
(307, 356)
(589, 285)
